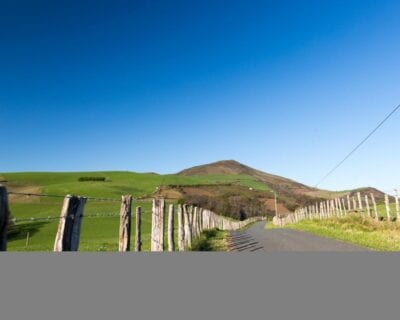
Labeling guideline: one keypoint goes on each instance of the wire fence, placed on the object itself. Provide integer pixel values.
(63, 196)
(49, 218)
(52, 217)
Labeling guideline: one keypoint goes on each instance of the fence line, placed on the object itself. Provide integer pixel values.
(337, 208)
(43, 195)
(192, 221)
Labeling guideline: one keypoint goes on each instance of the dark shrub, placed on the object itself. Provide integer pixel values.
(84, 179)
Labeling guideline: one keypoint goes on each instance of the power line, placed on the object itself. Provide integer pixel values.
(359, 145)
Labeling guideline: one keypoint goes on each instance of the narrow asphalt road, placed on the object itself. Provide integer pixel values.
(257, 239)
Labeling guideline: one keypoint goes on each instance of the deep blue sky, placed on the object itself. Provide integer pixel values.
(288, 87)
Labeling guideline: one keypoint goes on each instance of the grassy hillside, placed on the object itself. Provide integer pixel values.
(98, 233)
(227, 187)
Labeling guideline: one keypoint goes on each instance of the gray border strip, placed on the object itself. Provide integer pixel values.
(199, 286)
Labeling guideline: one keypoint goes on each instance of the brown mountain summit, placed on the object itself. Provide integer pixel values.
(283, 186)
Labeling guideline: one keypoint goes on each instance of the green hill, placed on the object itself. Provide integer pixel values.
(227, 187)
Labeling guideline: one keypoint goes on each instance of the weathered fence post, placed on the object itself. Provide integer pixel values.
(338, 209)
(125, 224)
(171, 240)
(396, 196)
(354, 204)
(344, 206)
(367, 205)
(181, 229)
(201, 213)
(4, 216)
(194, 222)
(375, 207)
(387, 203)
(360, 206)
(69, 227)
(157, 225)
(138, 230)
(188, 228)
(348, 203)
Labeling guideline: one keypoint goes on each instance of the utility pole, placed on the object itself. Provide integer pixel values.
(276, 204)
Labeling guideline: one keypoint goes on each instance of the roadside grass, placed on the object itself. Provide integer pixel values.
(211, 240)
(355, 229)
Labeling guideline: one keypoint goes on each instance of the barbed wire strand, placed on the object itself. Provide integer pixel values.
(63, 196)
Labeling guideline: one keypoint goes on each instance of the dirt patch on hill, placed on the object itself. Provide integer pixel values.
(23, 198)
(270, 204)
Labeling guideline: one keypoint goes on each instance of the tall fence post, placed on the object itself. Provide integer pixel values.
(138, 230)
(181, 229)
(201, 216)
(68, 234)
(396, 196)
(387, 203)
(157, 225)
(348, 203)
(375, 207)
(188, 228)
(360, 206)
(125, 224)
(194, 222)
(344, 206)
(171, 240)
(367, 205)
(4, 216)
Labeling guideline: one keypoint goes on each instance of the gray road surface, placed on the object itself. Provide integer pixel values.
(257, 239)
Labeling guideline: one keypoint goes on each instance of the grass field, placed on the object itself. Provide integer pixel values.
(211, 240)
(356, 229)
(99, 233)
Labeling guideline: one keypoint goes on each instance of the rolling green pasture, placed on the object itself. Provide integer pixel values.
(98, 233)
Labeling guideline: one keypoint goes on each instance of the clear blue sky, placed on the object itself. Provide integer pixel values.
(288, 87)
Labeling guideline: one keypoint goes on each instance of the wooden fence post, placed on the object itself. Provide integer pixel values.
(201, 215)
(367, 205)
(68, 234)
(348, 203)
(4, 216)
(124, 244)
(188, 228)
(354, 204)
(344, 207)
(157, 225)
(396, 196)
(375, 207)
(138, 230)
(338, 209)
(171, 240)
(360, 206)
(387, 203)
(339, 201)
(181, 229)
(194, 222)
